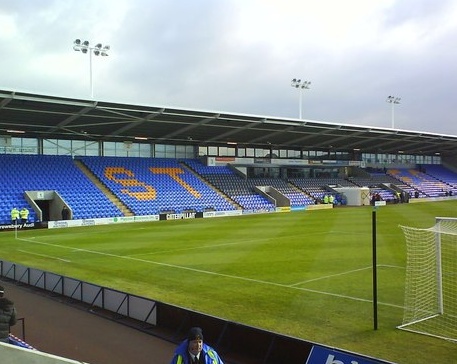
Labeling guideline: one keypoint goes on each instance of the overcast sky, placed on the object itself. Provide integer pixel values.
(239, 56)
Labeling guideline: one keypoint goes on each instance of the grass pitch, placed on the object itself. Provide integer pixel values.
(303, 274)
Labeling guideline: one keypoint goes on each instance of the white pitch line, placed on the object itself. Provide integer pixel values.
(390, 266)
(174, 266)
(252, 241)
(44, 255)
(347, 272)
(329, 276)
(185, 249)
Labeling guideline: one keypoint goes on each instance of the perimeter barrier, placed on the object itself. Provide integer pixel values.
(236, 342)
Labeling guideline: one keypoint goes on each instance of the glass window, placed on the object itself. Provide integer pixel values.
(16, 145)
(64, 147)
(50, 147)
(12, 145)
(144, 150)
(191, 151)
(93, 148)
(78, 147)
(293, 154)
(159, 151)
(275, 153)
(170, 151)
(260, 153)
(180, 151)
(231, 151)
(122, 149)
(202, 151)
(227, 151)
(109, 149)
(29, 145)
(222, 151)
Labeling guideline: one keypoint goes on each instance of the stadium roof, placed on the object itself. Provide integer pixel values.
(51, 117)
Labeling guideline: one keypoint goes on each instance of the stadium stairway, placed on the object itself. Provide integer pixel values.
(155, 185)
(426, 184)
(116, 201)
(240, 190)
(54, 173)
(210, 185)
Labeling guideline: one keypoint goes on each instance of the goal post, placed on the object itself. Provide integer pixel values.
(430, 305)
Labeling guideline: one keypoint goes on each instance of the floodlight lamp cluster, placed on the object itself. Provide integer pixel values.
(298, 83)
(84, 47)
(393, 100)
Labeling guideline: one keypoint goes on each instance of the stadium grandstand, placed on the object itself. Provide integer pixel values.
(134, 160)
(105, 160)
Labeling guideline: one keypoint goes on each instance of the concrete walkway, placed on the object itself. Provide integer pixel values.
(58, 328)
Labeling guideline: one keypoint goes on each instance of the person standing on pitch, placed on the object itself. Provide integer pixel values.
(194, 351)
(14, 216)
(24, 213)
(7, 316)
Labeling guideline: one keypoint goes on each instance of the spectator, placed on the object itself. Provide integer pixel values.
(7, 316)
(325, 199)
(373, 199)
(194, 351)
(14, 215)
(24, 213)
(397, 197)
(344, 200)
(65, 213)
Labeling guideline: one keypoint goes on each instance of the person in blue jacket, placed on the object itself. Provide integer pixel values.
(194, 351)
(7, 316)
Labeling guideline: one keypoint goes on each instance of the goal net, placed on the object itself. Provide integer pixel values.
(430, 306)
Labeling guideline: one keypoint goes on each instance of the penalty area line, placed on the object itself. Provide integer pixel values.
(245, 279)
(344, 273)
(330, 276)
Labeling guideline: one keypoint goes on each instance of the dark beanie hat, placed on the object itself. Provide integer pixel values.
(195, 333)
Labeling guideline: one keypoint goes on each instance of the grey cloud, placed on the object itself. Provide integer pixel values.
(184, 54)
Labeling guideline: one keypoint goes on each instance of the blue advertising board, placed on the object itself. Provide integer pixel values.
(322, 355)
